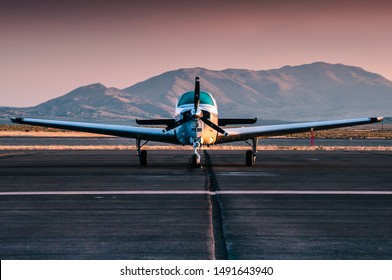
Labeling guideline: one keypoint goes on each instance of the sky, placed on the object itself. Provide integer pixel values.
(48, 48)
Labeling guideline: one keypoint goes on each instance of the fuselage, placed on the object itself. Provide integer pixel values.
(194, 129)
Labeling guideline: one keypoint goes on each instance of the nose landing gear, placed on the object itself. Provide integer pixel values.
(197, 142)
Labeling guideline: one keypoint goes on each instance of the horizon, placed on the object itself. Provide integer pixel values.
(50, 48)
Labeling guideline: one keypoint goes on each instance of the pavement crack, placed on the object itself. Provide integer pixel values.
(218, 229)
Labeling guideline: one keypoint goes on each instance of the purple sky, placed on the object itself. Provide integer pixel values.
(49, 48)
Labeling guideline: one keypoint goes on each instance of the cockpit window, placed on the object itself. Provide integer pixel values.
(187, 98)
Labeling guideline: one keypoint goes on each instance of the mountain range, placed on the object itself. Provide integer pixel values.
(292, 93)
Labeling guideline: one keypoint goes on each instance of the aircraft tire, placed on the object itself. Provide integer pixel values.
(195, 162)
(143, 157)
(249, 158)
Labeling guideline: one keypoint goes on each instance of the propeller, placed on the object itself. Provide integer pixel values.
(177, 123)
(196, 100)
(214, 126)
(195, 113)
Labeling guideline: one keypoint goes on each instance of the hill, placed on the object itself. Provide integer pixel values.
(306, 92)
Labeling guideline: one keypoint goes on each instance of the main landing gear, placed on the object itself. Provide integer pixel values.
(251, 154)
(141, 154)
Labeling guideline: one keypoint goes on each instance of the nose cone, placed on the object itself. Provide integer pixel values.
(197, 113)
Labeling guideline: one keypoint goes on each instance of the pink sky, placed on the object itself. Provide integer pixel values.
(49, 48)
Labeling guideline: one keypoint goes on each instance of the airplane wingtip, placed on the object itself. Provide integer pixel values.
(376, 119)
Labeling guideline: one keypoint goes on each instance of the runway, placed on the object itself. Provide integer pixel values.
(103, 205)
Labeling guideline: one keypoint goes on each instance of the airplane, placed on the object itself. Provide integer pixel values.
(196, 123)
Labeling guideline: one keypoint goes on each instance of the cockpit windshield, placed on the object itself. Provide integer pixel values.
(188, 97)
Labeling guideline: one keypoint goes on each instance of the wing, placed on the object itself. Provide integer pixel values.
(244, 133)
(143, 133)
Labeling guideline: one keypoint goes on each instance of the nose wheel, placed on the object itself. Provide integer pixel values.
(195, 160)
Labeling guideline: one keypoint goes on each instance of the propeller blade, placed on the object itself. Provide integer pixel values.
(186, 118)
(214, 126)
(197, 93)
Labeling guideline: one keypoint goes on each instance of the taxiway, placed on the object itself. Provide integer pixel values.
(103, 205)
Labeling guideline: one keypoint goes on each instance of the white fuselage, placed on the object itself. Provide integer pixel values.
(196, 129)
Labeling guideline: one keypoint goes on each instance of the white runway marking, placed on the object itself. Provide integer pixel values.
(179, 192)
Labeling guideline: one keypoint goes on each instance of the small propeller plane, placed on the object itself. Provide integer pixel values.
(196, 123)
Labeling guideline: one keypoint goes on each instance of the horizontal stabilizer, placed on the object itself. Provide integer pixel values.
(223, 122)
(17, 120)
(165, 122)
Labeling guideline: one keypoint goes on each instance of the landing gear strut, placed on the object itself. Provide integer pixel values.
(251, 154)
(141, 154)
(196, 155)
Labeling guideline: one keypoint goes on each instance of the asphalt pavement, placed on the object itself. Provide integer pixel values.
(103, 205)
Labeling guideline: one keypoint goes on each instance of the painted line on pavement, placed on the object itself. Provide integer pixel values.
(195, 192)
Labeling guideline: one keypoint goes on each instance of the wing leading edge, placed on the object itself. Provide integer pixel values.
(245, 133)
(142, 133)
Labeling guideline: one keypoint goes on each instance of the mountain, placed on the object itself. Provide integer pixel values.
(306, 92)
(93, 102)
